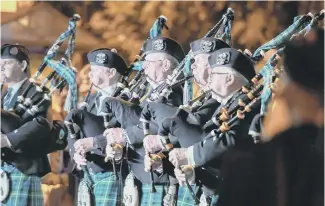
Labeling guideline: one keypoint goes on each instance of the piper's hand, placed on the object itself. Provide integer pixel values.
(186, 173)
(152, 144)
(178, 157)
(153, 162)
(114, 151)
(84, 145)
(114, 136)
(80, 160)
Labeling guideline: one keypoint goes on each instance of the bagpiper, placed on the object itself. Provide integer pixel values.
(23, 161)
(88, 148)
(161, 56)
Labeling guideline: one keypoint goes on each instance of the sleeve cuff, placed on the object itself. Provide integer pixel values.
(7, 143)
(190, 156)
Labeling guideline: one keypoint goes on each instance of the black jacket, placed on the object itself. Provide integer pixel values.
(90, 125)
(208, 154)
(289, 169)
(129, 117)
(28, 138)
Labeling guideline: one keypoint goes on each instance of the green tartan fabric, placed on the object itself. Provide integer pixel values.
(152, 199)
(184, 197)
(106, 189)
(24, 190)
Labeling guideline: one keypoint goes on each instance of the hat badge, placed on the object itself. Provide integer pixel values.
(159, 45)
(101, 58)
(223, 58)
(13, 50)
(207, 46)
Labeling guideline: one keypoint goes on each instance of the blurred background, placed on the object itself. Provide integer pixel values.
(125, 26)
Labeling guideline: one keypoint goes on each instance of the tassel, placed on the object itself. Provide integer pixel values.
(130, 192)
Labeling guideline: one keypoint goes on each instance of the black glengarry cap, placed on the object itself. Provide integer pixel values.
(229, 57)
(207, 45)
(107, 58)
(164, 45)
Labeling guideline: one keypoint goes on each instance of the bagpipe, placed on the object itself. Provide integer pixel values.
(35, 96)
(256, 94)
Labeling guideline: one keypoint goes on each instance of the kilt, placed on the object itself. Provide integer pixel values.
(152, 199)
(106, 189)
(185, 198)
(24, 190)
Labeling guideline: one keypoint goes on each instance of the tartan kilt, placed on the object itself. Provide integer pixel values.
(152, 199)
(24, 190)
(184, 197)
(106, 189)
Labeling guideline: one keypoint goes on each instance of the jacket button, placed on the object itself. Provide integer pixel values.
(2, 154)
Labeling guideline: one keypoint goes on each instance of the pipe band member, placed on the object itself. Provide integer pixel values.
(161, 56)
(107, 68)
(23, 163)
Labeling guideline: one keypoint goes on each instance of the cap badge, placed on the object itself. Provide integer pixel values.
(206, 46)
(223, 58)
(13, 50)
(159, 45)
(101, 58)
